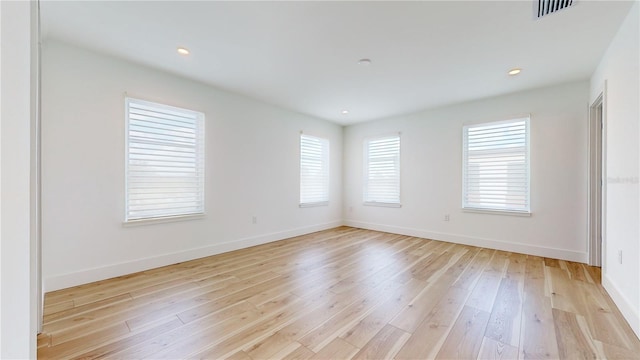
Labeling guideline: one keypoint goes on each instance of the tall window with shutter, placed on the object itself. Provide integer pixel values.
(314, 171)
(496, 174)
(382, 171)
(164, 161)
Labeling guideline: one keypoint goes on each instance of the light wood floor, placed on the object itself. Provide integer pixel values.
(343, 293)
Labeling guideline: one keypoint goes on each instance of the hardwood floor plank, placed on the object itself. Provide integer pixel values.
(439, 263)
(376, 263)
(552, 262)
(87, 321)
(345, 319)
(576, 271)
(328, 305)
(419, 308)
(229, 337)
(115, 346)
(538, 338)
(485, 291)
(83, 343)
(211, 302)
(74, 311)
(50, 309)
(472, 272)
(399, 263)
(604, 325)
(286, 351)
(44, 340)
(240, 355)
(230, 319)
(504, 324)
(273, 316)
(339, 294)
(384, 345)
(594, 274)
(495, 350)
(361, 333)
(615, 352)
(427, 338)
(465, 338)
(565, 294)
(336, 349)
(498, 263)
(573, 339)
(517, 267)
(301, 353)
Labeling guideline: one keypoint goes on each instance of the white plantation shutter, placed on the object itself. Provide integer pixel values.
(314, 170)
(382, 171)
(165, 161)
(496, 166)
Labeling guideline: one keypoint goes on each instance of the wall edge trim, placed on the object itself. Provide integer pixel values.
(624, 305)
(85, 276)
(562, 254)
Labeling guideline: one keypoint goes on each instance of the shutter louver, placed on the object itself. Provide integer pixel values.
(314, 171)
(382, 171)
(165, 161)
(496, 166)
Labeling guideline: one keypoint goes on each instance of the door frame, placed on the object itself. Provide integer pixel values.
(596, 180)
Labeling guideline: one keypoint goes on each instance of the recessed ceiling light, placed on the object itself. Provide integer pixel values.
(515, 71)
(364, 62)
(183, 51)
(344, 112)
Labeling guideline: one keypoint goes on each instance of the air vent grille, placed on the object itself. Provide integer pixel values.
(547, 7)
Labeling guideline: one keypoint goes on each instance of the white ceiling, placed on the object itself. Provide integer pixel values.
(303, 55)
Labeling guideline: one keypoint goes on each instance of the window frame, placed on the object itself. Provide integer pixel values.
(466, 207)
(366, 198)
(199, 156)
(326, 165)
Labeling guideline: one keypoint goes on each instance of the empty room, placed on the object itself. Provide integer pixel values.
(320, 179)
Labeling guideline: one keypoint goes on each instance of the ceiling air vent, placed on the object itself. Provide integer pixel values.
(548, 7)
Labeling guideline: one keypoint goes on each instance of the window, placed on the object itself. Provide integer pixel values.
(165, 161)
(382, 171)
(314, 171)
(496, 166)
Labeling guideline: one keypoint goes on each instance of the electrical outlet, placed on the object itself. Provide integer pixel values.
(350, 208)
(254, 219)
(620, 256)
(446, 217)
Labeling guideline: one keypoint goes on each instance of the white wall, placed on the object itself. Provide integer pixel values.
(251, 159)
(619, 68)
(431, 175)
(17, 257)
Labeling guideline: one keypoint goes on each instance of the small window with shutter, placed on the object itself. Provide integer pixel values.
(495, 168)
(164, 161)
(314, 171)
(382, 171)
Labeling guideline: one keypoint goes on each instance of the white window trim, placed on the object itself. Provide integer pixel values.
(165, 218)
(161, 220)
(495, 211)
(313, 204)
(382, 204)
(365, 177)
(327, 163)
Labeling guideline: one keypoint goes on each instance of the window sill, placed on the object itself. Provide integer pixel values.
(160, 220)
(382, 204)
(497, 212)
(314, 204)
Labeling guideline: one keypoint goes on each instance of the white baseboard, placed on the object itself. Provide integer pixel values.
(627, 309)
(85, 276)
(562, 254)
